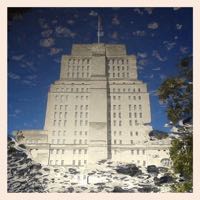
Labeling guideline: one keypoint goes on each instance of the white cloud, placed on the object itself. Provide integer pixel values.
(169, 45)
(156, 69)
(13, 76)
(43, 23)
(46, 33)
(157, 55)
(54, 51)
(163, 77)
(137, 10)
(17, 57)
(184, 50)
(115, 20)
(70, 21)
(153, 25)
(114, 35)
(176, 8)
(64, 32)
(142, 62)
(179, 26)
(54, 21)
(139, 33)
(31, 77)
(142, 54)
(149, 10)
(93, 13)
(48, 42)
(153, 93)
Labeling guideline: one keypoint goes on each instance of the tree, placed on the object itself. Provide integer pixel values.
(176, 93)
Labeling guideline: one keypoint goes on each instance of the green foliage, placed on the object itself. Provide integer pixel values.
(181, 154)
(176, 93)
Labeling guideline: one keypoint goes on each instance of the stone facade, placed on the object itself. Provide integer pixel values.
(98, 109)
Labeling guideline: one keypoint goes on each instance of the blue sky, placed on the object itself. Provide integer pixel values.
(159, 37)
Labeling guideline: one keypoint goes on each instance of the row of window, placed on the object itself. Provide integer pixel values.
(118, 75)
(120, 133)
(119, 68)
(125, 90)
(78, 61)
(62, 162)
(76, 107)
(119, 61)
(60, 115)
(63, 151)
(63, 141)
(59, 122)
(63, 133)
(60, 107)
(81, 122)
(65, 97)
(72, 89)
(134, 107)
(78, 68)
(78, 75)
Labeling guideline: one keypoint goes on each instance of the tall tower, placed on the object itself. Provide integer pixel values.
(98, 106)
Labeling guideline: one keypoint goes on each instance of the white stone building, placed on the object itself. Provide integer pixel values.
(98, 109)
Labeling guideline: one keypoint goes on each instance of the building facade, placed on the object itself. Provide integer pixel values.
(97, 110)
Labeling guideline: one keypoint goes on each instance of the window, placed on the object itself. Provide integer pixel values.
(132, 152)
(73, 163)
(136, 133)
(63, 151)
(58, 141)
(140, 107)
(130, 115)
(139, 97)
(130, 122)
(135, 115)
(120, 123)
(54, 122)
(140, 115)
(114, 133)
(74, 151)
(55, 115)
(129, 107)
(143, 151)
(85, 161)
(65, 122)
(114, 106)
(55, 107)
(80, 141)
(131, 141)
(85, 141)
(79, 151)
(85, 151)
(74, 141)
(115, 141)
(138, 151)
(57, 151)
(119, 115)
(120, 142)
(114, 115)
(114, 122)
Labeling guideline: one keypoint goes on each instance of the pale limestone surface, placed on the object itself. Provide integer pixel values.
(98, 109)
